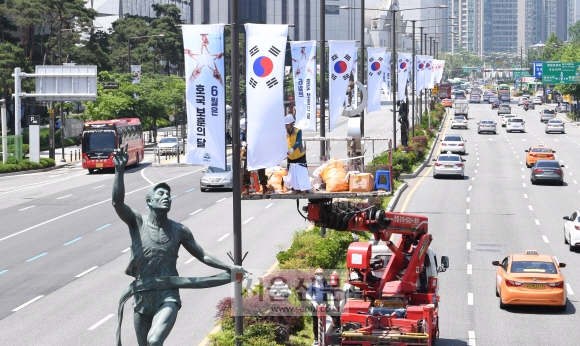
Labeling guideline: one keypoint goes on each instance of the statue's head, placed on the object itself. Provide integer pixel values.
(159, 197)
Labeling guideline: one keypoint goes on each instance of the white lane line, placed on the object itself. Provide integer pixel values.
(269, 205)
(144, 177)
(467, 211)
(524, 184)
(224, 237)
(248, 220)
(525, 195)
(32, 206)
(478, 165)
(570, 173)
(529, 206)
(473, 178)
(469, 188)
(468, 226)
(523, 176)
(94, 326)
(517, 157)
(467, 199)
(97, 187)
(127, 249)
(475, 171)
(574, 181)
(522, 169)
(86, 271)
(521, 163)
(469, 269)
(220, 200)
(537, 222)
(569, 289)
(468, 245)
(471, 340)
(190, 260)
(469, 298)
(64, 196)
(27, 303)
(195, 212)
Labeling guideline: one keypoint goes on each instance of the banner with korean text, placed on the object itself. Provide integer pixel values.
(404, 65)
(265, 47)
(304, 73)
(205, 94)
(341, 55)
(376, 69)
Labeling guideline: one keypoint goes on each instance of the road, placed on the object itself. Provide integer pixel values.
(492, 212)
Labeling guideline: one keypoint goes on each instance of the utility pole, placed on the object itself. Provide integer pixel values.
(394, 77)
(413, 83)
(322, 96)
(362, 70)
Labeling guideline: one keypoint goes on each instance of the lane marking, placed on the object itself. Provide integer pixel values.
(190, 190)
(467, 199)
(39, 184)
(2, 272)
(545, 239)
(127, 249)
(144, 177)
(469, 188)
(569, 289)
(523, 176)
(195, 212)
(86, 271)
(478, 165)
(473, 178)
(32, 206)
(190, 260)
(574, 181)
(537, 222)
(529, 206)
(269, 205)
(525, 195)
(96, 325)
(522, 169)
(36, 257)
(467, 211)
(224, 237)
(27, 303)
(248, 220)
(524, 184)
(103, 227)
(220, 200)
(64, 196)
(570, 173)
(172, 197)
(475, 171)
(97, 187)
(468, 246)
(72, 241)
(471, 341)
(469, 298)
(469, 269)
(468, 225)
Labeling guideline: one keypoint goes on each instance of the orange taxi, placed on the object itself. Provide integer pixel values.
(539, 152)
(446, 103)
(530, 279)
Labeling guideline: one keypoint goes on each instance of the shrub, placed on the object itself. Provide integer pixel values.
(12, 165)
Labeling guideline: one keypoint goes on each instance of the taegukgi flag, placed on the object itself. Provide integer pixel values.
(136, 72)
(304, 73)
(341, 55)
(376, 70)
(205, 94)
(265, 47)
(404, 65)
(421, 61)
(440, 67)
(428, 76)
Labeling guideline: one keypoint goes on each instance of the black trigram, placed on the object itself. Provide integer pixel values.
(334, 57)
(346, 77)
(272, 82)
(274, 51)
(379, 73)
(347, 57)
(371, 59)
(380, 58)
(253, 83)
(333, 76)
(254, 50)
(370, 73)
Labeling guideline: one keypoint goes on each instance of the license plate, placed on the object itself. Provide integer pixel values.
(448, 166)
(534, 285)
(99, 165)
(548, 173)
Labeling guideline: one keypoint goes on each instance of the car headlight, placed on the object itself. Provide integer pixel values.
(227, 179)
(205, 180)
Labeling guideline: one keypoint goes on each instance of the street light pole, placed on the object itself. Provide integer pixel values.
(414, 83)
(129, 53)
(362, 69)
(422, 92)
(394, 77)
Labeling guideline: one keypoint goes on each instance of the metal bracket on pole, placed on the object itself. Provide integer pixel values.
(4, 131)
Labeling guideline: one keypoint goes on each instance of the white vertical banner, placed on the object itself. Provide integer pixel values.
(387, 75)
(205, 96)
(265, 45)
(420, 72)
(341, 55)
(304, 73)
(429, 78)
(440, 71)
(376, 71)
(136, 72)
(404, 64)
(354, 73)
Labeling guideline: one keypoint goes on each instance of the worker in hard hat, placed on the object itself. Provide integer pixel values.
(319, 292)
(244, 160)
(296, 153)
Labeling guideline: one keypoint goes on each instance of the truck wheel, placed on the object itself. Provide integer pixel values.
(561, 308)
(91, 170)
(501, 304)
(137, 160)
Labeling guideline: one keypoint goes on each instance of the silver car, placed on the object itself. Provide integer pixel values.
(458, 121)
(522, 100)
(453, 144)
(515, 124)
(448, 164)
(555, 125)
(486, 126)
(216, 178)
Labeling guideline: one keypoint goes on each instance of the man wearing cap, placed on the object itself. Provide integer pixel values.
(155, 243)
(319, 292)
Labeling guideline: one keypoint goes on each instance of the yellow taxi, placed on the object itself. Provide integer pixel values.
(446, 103)
(530, 279)
(539, 152)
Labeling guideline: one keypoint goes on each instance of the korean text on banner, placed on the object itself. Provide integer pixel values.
(376, 70)
(266, 44)
(136, 74)
(304, 72)
(428, 76)
(404, 64)
(387, 75)
(205, 94)
(341, 55)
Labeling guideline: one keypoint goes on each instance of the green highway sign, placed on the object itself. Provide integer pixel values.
(468, 69)
(521, 73)
(556, 72)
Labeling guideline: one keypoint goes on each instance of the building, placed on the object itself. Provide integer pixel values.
(469, 29)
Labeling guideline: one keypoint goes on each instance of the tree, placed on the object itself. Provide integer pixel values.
(11, 56)
(574, 32)
(551, 51)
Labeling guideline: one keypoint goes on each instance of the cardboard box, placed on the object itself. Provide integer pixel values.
(361, 182)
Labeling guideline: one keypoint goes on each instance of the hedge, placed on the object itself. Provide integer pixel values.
(14, 166)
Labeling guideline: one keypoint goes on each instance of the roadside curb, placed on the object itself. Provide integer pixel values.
(396, 196)
(37, 170)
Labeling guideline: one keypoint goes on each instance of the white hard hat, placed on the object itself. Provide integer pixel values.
(243, 124)
(289, 119)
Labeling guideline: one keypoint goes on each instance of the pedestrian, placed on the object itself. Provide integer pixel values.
(319, 292)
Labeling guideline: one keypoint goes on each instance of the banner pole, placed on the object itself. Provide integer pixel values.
(322, 97)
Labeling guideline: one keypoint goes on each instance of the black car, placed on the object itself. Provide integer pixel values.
(495, 103)
(547, 171)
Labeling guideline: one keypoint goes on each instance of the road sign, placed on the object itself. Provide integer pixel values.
(538, 69)
(521, 73)
(548, 91)
(555, 72)
(435, 90)
(65, 83)
(34, 120)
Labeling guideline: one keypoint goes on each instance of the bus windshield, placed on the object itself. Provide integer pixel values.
(102, 140)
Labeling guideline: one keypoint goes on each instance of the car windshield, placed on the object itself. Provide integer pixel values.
(504, 106)
(459, 118)
(533, 267)
(555, 121)
(452, 139)
(487, 122)
(548, 164)
(541, 150)
(516, 120)
(212, 169)
(508, 116)
(448, 158)
(101, 140)
(548, 111)
(168, 140)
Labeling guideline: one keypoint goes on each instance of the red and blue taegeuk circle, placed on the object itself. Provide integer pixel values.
(340, 67)
(375, 66)
(263, 66)
(421, 66)
(403, 65)
(428, 65)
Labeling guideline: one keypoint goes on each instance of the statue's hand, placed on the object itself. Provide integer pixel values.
(120, 158)
(234, 270)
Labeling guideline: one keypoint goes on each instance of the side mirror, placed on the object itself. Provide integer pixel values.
(495, 263)
(463, 160)
(562, 265)
(562, 166)
(203, 171)
(433, 160)
(553, 151)
(526, 150)
(445, 262)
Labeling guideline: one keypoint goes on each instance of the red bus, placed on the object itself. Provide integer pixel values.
(101, 138)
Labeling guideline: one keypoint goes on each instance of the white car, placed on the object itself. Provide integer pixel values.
(555, 125)
(537, 100)
(572, 230)
(169, 145)
(515, 124)
(459, 121)
(453, 143)
(448, 164)
(505, 117)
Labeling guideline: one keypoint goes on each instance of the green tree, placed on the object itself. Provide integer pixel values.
(574, 32)
(551, 51)
(11, 56)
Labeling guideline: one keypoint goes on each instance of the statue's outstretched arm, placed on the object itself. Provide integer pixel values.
(126, 214)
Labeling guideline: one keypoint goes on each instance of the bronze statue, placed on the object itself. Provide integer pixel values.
(155, 242)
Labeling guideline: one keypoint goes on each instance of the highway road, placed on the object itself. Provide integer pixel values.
(492, 212)
(64, 250)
